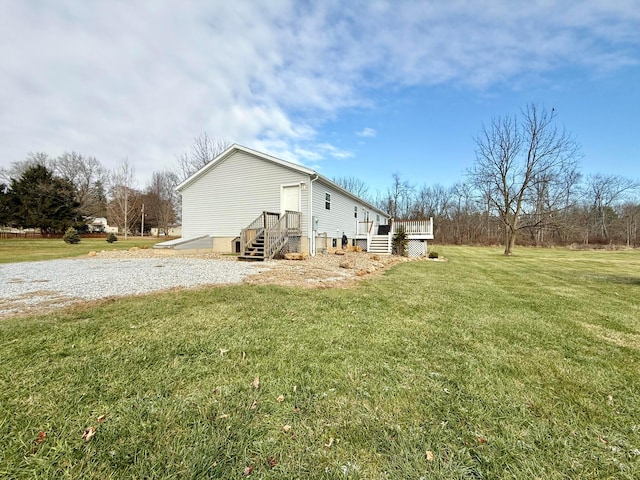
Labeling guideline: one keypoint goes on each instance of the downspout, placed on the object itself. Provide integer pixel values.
(311, 226)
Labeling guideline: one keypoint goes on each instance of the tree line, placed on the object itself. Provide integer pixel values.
(54, 193)
(524, 187)
(600, 210)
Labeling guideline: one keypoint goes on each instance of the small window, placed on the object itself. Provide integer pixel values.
(355, 212)
(334, 243)
(377, 218)
(327, 201)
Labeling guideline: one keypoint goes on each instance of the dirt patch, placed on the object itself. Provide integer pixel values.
(322, 271)
(33, 302)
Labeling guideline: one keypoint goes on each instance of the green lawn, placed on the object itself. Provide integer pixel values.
(29, 250)
(484, 366)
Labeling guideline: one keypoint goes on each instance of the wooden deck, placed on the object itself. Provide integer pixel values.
(379, 237)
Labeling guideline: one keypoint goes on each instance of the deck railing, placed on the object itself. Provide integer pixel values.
(277, 235)
(413, 227)
(293, 222)
(364, 227)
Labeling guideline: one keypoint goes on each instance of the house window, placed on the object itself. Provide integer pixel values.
(327, 201)
(378, 219)
(355, 212)
(334, 243)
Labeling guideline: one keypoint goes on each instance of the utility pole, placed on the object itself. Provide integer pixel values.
(142, 229)
(126, 210)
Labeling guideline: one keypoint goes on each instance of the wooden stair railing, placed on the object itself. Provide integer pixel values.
(268, 234)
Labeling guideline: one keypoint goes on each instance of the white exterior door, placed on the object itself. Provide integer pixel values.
(290, 199)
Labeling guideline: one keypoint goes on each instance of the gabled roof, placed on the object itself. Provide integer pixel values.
(293, 166)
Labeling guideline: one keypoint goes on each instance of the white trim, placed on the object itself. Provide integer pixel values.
(311, 225)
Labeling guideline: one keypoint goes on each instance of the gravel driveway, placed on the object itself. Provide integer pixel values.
(56, 283)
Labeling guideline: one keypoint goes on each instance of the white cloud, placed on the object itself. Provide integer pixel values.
(141, 79)
(367, 132)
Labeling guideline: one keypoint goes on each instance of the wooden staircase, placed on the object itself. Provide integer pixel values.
(380, 244)
(254, 251)
(268, 234)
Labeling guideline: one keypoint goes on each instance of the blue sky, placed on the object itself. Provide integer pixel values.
(350, 88)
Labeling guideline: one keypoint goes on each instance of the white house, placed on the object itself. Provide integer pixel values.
(258, 205)
(100, 225)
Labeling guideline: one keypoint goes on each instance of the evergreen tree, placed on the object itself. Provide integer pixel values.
(4, 205)
(38, 199)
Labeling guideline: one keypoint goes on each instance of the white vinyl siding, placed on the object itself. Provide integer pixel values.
(341, 217)
(236, 190)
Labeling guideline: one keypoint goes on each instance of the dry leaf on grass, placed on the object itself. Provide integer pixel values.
(602, 439)
(328, 445)
(481, 439)
(256, 382)
(254, 405)
(272, 462)
(429, 456)
(280, 398)
(286, 428)
(42, 436)
(102, 418)
(247, 471)
(89, 433)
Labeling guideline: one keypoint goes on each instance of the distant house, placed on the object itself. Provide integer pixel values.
(100, 225)
(257, 205)
(97, 225)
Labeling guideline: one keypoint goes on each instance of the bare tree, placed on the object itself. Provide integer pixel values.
(124, 205)
(603, 192)
(630, 213)
(353, 185)
(203, 150)
(431, 201)
(512, 156)
(550, 198)
(397, 201)
(88, 175)
(161, 199)
(16, 169)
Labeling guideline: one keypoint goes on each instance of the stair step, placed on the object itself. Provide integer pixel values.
(246, 258)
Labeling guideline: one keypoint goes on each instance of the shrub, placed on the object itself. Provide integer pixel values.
(400, 242)
(112, 238)
(71, 236)
(433, 254)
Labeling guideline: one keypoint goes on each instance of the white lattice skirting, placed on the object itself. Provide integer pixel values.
(417, 248)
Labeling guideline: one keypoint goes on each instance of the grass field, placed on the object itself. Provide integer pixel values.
(21, 250)
(484, 366)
